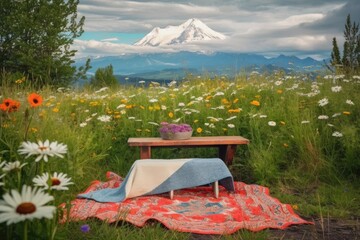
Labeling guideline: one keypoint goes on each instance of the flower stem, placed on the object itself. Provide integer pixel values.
(26, 230)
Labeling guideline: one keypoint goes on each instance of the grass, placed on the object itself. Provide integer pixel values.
(303, 134)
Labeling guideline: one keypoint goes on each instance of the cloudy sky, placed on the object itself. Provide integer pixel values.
(268, 27)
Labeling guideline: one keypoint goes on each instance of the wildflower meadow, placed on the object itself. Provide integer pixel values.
(303, 133)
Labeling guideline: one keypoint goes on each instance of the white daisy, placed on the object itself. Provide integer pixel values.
(29, 204)
(104, 118)
(153, 100)
(337, 134)
(323, 102)
(336, 89)
(350, 102)
(323, 117)
(13, 166)
(230, 118)
(57, 181)
(272, 123)
(43, 149)
(231, 125)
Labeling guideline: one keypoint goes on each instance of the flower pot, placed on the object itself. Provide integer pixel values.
(176, 136)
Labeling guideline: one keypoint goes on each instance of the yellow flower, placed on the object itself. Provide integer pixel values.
(282, 123)
(138, 130)
(157, 107)
(286, 145)
(279, 91)
(235, 100)
(171, 115)
(147, 130)
(295, 207)
(346, 113)
(234, 110)
(123, 101)
(93, 104)
(195, 121)
(199, 130)
(224, 101)
(255, 103)
(151, 108)
(55, 109)
(142, 107)
(34, 130)
(257, 96)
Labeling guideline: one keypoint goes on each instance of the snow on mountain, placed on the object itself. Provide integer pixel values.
(191, 30)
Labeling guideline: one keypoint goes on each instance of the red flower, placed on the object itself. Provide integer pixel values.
(10, 105)
(35, 100)
(15, 105)
(3, 107)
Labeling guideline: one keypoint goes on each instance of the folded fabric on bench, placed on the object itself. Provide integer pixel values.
(155, 176)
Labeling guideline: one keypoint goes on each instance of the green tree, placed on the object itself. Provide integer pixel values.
(351, 48)
(104, 77)
(36, 38)
(335, 54)
(350, 59)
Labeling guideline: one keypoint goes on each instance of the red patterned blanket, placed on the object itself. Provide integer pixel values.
(193, 210)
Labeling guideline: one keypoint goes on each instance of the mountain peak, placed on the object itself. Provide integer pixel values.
(191, 30)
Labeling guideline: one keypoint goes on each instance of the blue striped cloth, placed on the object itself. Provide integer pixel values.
(155, 176)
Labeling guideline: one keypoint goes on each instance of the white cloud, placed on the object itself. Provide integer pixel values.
(259, 26)
(110, 39)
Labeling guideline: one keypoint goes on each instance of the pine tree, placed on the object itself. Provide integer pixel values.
(351, 48)
(35, 39)
(350, 60)
(335, 55)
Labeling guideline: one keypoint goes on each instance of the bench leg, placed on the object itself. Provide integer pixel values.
(216, 189)
(145, 152)
(226, 153)
(171, 194)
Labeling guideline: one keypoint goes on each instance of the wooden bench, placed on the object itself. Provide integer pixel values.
(226, 145)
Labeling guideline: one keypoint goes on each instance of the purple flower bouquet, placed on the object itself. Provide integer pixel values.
(175, 131)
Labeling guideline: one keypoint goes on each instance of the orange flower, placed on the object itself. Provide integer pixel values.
(10, 105)
(14, 106)
(35, 100)
(234, 110)
(255, 103)
(7, 102)
(3, 107)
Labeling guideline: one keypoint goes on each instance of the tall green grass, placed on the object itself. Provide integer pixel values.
(299, 147)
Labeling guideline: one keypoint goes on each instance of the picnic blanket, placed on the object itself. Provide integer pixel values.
(194, 210)
(155, 176)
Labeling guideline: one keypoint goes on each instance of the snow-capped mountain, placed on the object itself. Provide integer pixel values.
(191, 30)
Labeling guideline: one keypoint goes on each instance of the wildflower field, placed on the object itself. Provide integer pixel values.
(303, 134)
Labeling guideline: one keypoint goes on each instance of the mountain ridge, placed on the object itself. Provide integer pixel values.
(217, 63)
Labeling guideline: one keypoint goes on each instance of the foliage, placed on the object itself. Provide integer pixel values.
(104, 77)
(350, 60)
(36, 38)
(303, 137)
